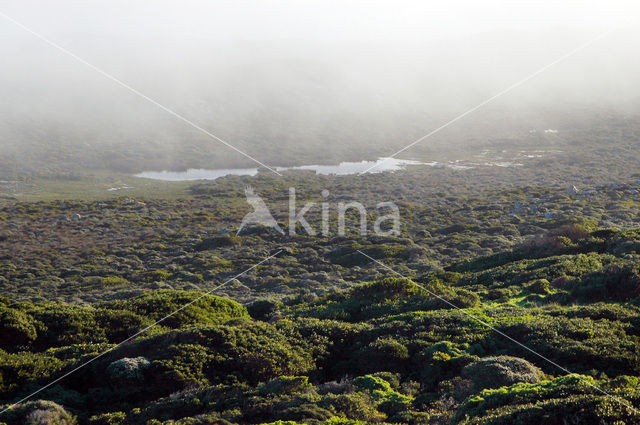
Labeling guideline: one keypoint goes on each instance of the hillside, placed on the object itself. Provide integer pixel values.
(323, 335)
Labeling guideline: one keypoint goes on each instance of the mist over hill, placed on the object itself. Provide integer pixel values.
(300, 102)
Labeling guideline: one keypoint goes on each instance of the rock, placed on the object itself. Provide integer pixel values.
(550, 214)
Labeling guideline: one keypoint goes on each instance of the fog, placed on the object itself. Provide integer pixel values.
(293, 83)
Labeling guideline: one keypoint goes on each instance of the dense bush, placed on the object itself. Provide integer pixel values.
(501, 371)
(169, 306)
(16, 329)
(615, 283)
(568, 399)
(40, 412)
(336, 341)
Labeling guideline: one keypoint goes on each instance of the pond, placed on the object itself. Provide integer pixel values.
(344, 168)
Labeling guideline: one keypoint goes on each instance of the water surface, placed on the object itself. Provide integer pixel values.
(344, 168)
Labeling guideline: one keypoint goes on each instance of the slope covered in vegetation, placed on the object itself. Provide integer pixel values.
(388, 350)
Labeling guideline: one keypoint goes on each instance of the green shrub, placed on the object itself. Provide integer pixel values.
(40, 412)
(354, 405)
(200, 309)
(16, 329)
(567, 399)
(114, 418)
(383, 354)
(387, 399)
(218, 242)
(262, 309)
(341, 421)
(615, 283)
(156, 276)
(495, 372)
(114, 281)
(539, 286)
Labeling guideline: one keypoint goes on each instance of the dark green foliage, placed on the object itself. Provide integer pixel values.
(568, 399)
(387, 297)
(17, 329)
(383, 354)
(540, 286)
(115, 418)
(263, 309)
(615, 283)
(325, 336)
(20, 369)
(386, 398)
(200, 308)
(580, 344)
(218, 242)
(442, 361)
(251, 352)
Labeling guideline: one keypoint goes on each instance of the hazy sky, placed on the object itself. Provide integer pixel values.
(341, 20)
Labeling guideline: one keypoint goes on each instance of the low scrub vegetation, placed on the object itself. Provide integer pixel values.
(320, 335)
